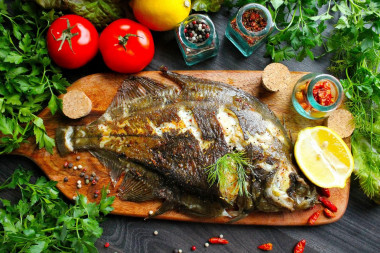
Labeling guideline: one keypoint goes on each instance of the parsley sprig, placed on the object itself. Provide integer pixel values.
(28, 79)
(42, 221)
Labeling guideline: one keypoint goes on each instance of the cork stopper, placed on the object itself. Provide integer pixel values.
(275, 77)
(342, 122)
(76, 104)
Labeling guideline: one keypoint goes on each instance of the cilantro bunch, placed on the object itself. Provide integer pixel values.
(28, 79)
(42, 222)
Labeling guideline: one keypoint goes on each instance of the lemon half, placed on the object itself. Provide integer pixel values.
(323, 157)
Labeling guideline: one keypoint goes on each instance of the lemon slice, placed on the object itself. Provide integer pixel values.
(323, 157)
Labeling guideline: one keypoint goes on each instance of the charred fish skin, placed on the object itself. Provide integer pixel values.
(177, 133)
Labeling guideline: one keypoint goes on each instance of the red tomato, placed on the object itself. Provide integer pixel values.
(72, 41)
(126, 46)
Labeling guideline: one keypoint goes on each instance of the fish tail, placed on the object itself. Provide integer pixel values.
(64, 140)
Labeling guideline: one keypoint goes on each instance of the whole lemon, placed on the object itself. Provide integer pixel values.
(160, 15)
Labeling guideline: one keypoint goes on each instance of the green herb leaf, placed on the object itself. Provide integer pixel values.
(235, 164)
(29, 80)
(43, 222)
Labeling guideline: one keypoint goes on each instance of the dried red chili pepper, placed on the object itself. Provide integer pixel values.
(313, 217)
(324, 192)
(328, 213)
(300, 246)
(266, 246)
(328, 204)
(217, 240)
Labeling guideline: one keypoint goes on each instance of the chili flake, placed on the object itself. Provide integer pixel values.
(322, 93)
(253, 21)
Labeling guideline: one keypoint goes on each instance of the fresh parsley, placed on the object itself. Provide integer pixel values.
(42, 221)
(28, 79)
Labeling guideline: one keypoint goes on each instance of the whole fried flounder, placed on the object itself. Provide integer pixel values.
(162, 138)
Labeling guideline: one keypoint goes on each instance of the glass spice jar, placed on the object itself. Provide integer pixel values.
(197, 39)
(315, 95)
(249, 28)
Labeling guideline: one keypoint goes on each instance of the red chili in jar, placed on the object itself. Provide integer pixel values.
(253, 21)
(322, 93)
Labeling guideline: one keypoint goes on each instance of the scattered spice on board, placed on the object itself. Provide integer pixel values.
(328, 204)
(300, 246)
(313, 218)
(266, 247)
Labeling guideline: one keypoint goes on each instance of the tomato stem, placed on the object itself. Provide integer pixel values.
(66, 35)
(124, 40)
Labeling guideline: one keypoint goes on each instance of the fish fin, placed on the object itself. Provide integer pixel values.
(132, 88)
(237, 218)
(111, 161)
(179, 79)
(137, 86)
(135, 190)
(165, 207)
(63, 137)
(184, 81)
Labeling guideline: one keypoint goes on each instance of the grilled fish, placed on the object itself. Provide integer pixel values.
(161, 138)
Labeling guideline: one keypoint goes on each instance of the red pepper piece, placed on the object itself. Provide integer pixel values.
(328, 213)
(300, 246)
(217, 240)
(266, 246)
(328, 204)
(324, 192)
(313, 217)
(106, 245)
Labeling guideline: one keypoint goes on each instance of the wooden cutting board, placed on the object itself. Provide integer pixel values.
(101, 88)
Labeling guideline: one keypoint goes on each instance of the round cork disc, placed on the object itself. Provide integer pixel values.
(276, 76)
(76, 104)
(342, 122)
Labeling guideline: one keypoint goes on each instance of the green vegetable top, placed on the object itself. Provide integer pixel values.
(42, 221)
(100, 12)
(28, 79)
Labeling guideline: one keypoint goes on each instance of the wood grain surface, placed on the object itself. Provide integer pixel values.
(357, 231)
(101, 89)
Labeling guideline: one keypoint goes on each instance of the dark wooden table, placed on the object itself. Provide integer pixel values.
(357, 231)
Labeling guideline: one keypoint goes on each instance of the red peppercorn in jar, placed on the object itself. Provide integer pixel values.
(315, 96)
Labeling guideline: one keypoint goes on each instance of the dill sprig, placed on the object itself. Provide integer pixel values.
(233, 163)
